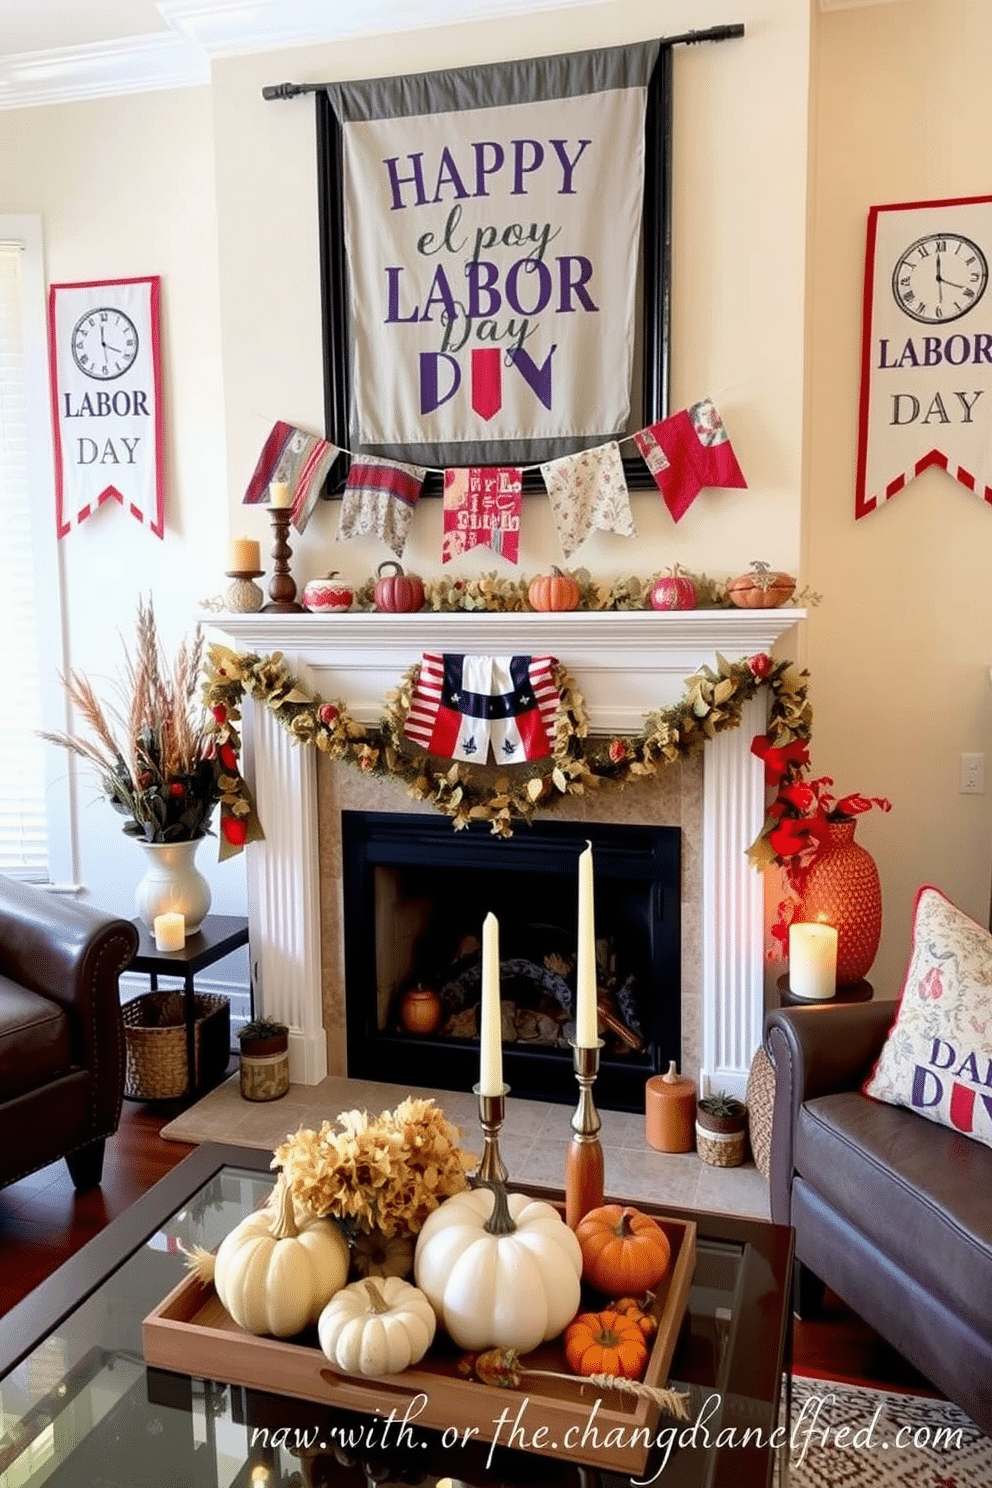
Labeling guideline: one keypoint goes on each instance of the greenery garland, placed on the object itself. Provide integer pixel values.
(712, 703)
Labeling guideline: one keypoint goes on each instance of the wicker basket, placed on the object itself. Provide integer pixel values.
(156, 1053)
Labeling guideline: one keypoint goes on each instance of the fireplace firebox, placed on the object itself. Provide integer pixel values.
(415, 896)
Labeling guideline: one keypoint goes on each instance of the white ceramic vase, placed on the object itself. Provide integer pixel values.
(172, 883)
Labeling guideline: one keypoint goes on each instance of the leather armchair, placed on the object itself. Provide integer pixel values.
(61, 1032)
(891, 1211)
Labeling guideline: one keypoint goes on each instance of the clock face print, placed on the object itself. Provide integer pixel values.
(940, 277)
(104, 343)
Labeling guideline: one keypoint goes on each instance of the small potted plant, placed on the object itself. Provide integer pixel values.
(264, 1059)
(721, 1130)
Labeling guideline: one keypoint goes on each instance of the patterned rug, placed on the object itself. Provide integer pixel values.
(846, 1436)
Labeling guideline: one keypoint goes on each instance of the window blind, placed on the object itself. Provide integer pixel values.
(23, 823)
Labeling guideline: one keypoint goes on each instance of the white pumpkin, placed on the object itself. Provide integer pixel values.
(376, 1327)
(501, 1270)
(274, 1274)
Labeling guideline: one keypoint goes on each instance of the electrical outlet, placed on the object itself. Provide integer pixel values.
(972, 775)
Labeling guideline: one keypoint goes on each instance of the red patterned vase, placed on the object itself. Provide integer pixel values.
(842, 888)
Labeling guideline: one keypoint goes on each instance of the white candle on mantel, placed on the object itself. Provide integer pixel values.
(279, 493)
(586, 1016)
(812, 961)
(170, 931)
(490, 1021)
(244, 555)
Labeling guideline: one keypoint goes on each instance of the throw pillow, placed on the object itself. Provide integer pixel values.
(937, 1059)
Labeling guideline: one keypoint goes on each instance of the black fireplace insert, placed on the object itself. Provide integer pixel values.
(415, 895)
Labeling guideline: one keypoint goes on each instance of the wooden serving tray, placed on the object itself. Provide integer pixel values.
(190, 1332)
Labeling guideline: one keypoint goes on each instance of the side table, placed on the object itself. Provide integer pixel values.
(217, 937)
(760, 1094)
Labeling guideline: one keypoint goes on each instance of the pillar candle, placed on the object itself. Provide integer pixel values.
(586, 1016)
(244, 556)
(170, 932)
(813, 961)
(490, 1022)
(279, 494)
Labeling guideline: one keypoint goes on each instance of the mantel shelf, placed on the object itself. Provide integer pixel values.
(741, 632)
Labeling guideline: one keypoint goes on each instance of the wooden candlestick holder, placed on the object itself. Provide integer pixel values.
(282, 587)
(584, 1177)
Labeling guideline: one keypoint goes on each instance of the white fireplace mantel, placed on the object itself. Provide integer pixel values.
(626, 663)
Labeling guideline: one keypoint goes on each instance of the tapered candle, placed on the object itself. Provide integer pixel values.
(279, 494)
(812, 961)
(170, 932)
(244, 556)
(490, 1022)
(586, 1016)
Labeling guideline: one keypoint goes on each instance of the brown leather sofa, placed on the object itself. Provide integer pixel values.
(61, 1032)
(891, 1211)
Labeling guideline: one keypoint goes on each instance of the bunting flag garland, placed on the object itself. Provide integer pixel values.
(686, 452)
(588, 491)
(300, 459)
(378, 500)
(463, 704)
(482, 508)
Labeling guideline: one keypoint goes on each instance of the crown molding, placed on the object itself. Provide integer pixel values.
(229, 27)
(200, 30)
(851, 4)
(130, 64)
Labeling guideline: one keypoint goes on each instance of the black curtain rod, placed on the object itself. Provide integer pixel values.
(687, 38)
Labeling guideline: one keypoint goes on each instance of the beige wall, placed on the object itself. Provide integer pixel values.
(125, 186)
(739, 231)
(900, 648)
(215, 190)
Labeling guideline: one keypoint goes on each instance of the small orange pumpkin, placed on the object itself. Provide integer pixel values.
(630, 1307)
(605, 1343)
(554, 591)
(761, 589)
(623, 1250)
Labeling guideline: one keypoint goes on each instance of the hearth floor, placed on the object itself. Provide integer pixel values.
(533, 1144)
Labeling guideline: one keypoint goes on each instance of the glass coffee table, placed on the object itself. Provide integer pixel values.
(79, 1408)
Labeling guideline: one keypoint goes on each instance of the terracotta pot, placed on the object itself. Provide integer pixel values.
(842, 888)
(420, 1010)
(264, 1071)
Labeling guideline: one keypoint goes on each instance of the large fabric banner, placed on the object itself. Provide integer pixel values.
(492, 229)
(926, 364)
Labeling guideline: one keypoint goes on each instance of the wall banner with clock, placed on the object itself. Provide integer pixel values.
(926, 354)
(106, 398)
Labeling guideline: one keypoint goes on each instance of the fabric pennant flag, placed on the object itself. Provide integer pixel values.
(686, 452)
(378, 500)
(482, 508)
(462, 705)
(300, 459)
(588, 491)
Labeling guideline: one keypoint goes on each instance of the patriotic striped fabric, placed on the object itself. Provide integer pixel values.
(463, 705)
(302, 460)
(378, 500)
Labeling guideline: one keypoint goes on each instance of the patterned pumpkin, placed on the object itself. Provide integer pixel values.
(673, 592)
(761, 589)
(554, 591)
(327, 594)
(397, 592)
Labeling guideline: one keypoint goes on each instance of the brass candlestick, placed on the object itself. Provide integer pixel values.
(584, 1175)
(492, 1109)
(281, 586)
(244, 597)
